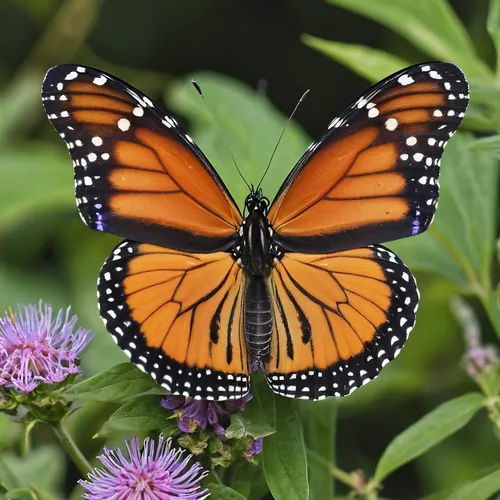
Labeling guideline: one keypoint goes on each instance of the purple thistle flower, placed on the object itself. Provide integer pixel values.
(36, 349)
(194, 413)
(148, 475)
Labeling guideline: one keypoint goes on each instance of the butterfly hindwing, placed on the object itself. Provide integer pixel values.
(372, 176)
(178, 316)
(137, 173)
(339, 318)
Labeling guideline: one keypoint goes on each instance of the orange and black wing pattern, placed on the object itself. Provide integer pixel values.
(339, 318)
(178, 316)
(372, 176)
(173, 293)
(137, 173)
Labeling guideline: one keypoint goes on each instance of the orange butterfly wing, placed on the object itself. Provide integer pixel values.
(338, 319)
(372, 176)
(137, 173)
(178, 316)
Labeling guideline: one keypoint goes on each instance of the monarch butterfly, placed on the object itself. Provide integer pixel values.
(199, 295)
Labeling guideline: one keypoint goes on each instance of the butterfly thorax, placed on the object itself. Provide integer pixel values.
(255, 250)
(256, 258)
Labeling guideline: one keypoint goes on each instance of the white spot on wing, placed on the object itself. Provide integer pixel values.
(123, 124)
(138, 111)
(391, 124)
(405, 80)
(100, 80)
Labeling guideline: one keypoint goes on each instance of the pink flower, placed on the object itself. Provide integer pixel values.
(36, 349)
(150, 474)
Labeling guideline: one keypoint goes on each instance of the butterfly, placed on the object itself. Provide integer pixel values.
(199, 295)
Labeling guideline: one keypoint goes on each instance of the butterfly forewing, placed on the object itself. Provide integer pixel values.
(178, 316)
(372, 176)
(339, 319)
(137, 173)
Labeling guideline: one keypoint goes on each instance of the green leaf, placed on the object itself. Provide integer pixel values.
(248, 479)
(372, 64)
(427, 432)
(21, 494)
(7, 478)
(489, 144)
(43, 468)
(485, 93)
(460, 242)
(479, 119)
(283, 456)
(242, 426)
(440, 495)
(19, 104)
(22, 172)
(493, 26)
(482, 489)
(251, 125)
(221, 492)
(431, 25)
(319, 424)
(265, 398)
(116, 384)
(251, 422)
(44, 495)
(140, 414)
(10, 433)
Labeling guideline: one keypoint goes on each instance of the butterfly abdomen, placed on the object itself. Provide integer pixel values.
(258, 317)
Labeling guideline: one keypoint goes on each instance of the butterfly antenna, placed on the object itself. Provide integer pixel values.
(281, 135)
(197, 87)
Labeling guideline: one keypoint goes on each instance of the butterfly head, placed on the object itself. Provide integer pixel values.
(256, 202)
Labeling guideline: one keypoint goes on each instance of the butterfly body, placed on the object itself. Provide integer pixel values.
(197, 295)
(256, 254)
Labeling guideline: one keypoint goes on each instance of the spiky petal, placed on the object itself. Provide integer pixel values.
(35, 348)
(155, 473)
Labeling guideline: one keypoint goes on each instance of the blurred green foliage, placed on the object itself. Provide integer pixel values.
(261, 56)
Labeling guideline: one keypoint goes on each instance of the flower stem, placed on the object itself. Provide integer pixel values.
(339, 474)
(27, 436)
(71, 448)
(217, 477)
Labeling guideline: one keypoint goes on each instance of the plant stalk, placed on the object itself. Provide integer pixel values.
(71, 448)
(335, 472)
